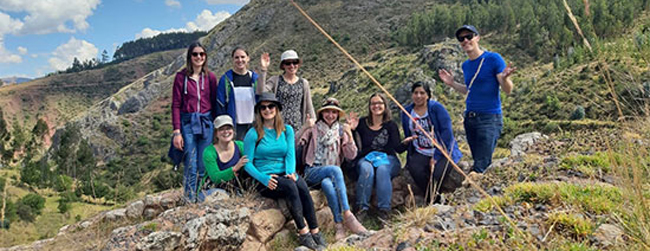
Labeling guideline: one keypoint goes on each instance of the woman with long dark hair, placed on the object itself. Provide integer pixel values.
(193, 92)
(270, 144)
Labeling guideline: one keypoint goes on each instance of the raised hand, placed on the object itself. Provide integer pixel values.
(446, 77)
(265, 61)
(508, 71)
(353, 120)
(242, 161)
(273, 183)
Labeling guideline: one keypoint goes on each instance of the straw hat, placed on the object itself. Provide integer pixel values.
(332, 104)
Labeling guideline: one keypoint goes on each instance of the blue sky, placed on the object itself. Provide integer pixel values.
(41, 36)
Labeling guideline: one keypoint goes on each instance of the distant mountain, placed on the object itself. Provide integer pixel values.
(14, 80)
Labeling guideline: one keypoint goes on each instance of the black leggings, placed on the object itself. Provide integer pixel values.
(297, 194)
(419, 168)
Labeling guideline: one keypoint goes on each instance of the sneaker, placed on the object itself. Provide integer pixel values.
(307, 241)
(384, 215)
(474, 176)
(361, 214)
(319, 240)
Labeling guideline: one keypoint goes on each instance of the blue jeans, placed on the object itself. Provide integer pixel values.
(193, 146)
(331, 181)
(483, 131)
(381, 176)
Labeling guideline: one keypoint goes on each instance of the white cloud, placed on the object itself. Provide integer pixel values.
(34, 55)
(173, 3)
(206, 20)
(236, 2)
(8, 24)
(49, 16)
(63, 56)
(22, 50)
(203, 22)
(6, 57)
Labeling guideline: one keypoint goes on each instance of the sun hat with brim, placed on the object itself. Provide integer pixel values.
(331, 104)
(222, 120)
(269, 97)
(467, 27)
(289, 54)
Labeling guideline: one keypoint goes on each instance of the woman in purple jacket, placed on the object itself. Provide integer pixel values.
(193, 93)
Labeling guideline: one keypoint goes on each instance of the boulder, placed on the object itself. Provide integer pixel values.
(115, 215)
(159, 241)
(265, 223)
(252, 243)
(325, 218)
(520, 144)
(221, 230)
(135, 210)
(607, 235)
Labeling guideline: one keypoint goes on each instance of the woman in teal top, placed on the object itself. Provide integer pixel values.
(270, 144)
(223, 159)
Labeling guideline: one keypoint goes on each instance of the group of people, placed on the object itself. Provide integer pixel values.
(270, 129)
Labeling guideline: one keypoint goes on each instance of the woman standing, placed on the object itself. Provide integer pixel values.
(223, 159)
(377, 162)
(292, 89)
(238, 89)
(327, 143)
(193, 91)
(422, 155)
(270, 144)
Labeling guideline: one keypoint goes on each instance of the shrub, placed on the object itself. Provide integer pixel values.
(578, 113)
(34, 201)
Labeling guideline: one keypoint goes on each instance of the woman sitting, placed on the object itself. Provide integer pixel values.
(422, 155)
(223, 159)
(377, 162)
(270, 144)
(326, 144)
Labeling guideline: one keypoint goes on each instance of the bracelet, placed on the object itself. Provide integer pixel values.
(176, 134)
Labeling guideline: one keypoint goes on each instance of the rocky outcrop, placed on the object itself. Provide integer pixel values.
(520, 144)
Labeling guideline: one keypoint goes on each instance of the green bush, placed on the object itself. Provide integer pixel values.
(34, 201)
(63, 183)
(578, 113)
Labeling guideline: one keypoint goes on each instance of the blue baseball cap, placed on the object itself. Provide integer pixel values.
(467, 27)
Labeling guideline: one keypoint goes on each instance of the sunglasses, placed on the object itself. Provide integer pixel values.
(269, 106)
(290, 62)
(468, 37)
(196, 54)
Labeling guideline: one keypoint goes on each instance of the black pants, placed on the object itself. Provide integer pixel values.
(420, 169)
(297, 194)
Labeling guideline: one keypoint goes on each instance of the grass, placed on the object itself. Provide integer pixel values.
(593, 198)
(590, 165)
(575, 225)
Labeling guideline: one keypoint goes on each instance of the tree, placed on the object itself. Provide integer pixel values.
(104, 58)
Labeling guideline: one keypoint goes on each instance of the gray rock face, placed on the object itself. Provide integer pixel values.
(607, 235)
(115, 215)
(135, 209)
(520, 144)
(160, 241)
(445, 55)
(222, 230)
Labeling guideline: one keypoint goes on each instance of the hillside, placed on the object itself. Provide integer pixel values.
(581, 100)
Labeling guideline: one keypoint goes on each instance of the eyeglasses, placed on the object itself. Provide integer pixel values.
(291, 62)
(468, 37)
(376, 103)
(196, 54)
(270, 106)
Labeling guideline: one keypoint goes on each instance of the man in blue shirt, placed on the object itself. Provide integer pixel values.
(484, 72)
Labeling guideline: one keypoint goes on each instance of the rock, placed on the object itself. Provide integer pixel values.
(443, 224)
(151, 213)
(402, 246)
(115, 215)
(252, 243)
(520, 144)
(302, 248)
(266, 223)
(443, 209)
(135, 210)
(216, 197)
(160, 241)
(222, 230)
(607, 235)
(318, 198)
(325, 218)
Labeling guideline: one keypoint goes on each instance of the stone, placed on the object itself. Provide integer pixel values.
(325, 218)
(520, 144)
(607, 235)
(159, 241)
(151, 213)
(318, 198)
(266, 223)
(252, 243)
(135, 209)
(115, 215)
(216, 197)
(224, 229)
(443, 209)
(302, 248)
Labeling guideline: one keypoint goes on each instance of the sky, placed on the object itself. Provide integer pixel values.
(38, 37)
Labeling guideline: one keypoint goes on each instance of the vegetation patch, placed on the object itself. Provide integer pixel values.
(590, 165)
(574, 225)
(592, 198)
